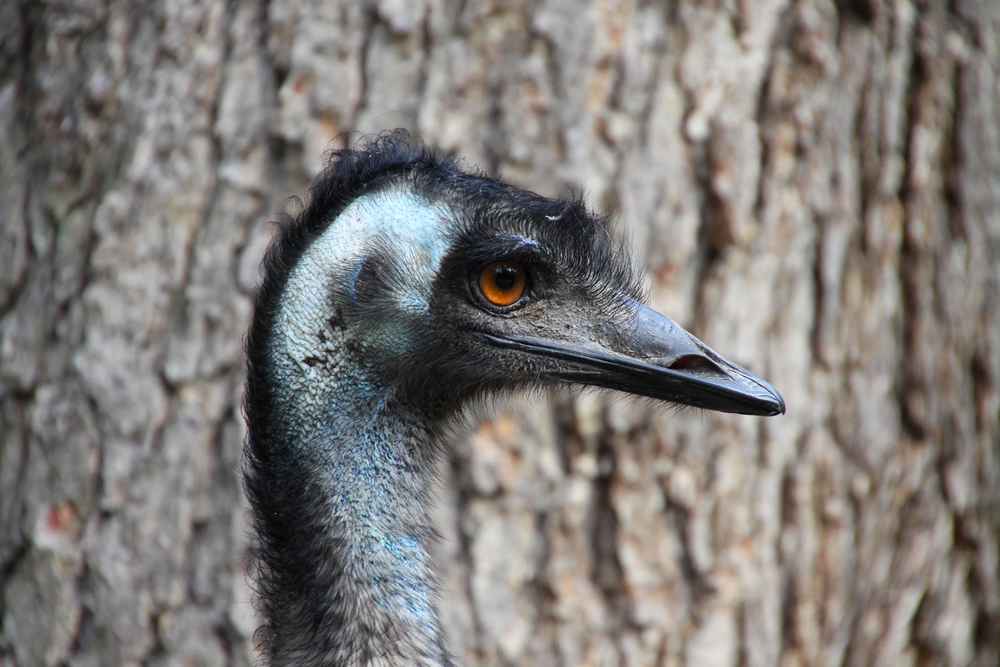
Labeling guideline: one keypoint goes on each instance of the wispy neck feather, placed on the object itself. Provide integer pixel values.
(338, 471)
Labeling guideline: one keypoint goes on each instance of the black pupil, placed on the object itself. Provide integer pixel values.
(506, 277)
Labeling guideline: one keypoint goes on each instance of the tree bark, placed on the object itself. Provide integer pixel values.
(814, 186)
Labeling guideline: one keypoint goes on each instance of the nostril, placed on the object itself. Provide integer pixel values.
(696, 364)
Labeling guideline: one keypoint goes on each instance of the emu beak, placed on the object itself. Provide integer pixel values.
(654, 357)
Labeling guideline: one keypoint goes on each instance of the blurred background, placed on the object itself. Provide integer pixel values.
(812, 185)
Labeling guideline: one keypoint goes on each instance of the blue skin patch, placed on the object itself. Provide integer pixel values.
(408, 219)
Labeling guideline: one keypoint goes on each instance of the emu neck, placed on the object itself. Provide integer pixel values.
(360, 587)
(340, 467)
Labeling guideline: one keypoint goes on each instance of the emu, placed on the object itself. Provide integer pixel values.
(403, 291)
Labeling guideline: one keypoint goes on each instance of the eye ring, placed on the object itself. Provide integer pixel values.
(503, 283)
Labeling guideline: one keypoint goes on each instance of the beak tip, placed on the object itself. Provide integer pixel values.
(777, 403)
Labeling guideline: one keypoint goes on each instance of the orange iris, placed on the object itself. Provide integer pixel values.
(503, 283)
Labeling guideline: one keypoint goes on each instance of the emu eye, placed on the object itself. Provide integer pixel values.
(503, 283)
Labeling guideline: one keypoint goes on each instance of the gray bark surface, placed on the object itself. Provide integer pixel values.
(814, 186)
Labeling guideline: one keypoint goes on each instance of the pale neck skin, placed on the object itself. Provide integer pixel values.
(354, 584)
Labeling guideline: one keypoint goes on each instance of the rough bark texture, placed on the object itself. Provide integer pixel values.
(813, 184)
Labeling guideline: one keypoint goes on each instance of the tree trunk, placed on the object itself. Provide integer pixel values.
(814, 186)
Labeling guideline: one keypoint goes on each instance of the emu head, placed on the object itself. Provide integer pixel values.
(447, 286)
